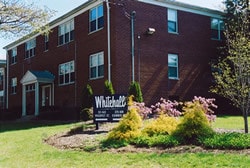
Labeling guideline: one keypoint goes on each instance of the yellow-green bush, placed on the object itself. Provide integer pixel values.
(128, 128)
(161, 126)
(194, 124)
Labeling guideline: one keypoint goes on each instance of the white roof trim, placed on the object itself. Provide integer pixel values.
(64, 18)
(185, 7)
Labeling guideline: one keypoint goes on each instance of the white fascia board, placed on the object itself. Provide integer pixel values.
(64, 18)
(185, 7)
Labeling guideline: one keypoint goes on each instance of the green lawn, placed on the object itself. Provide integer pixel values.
(21, 146)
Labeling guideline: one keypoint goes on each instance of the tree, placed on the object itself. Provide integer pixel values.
(233, 68)
(18, 18)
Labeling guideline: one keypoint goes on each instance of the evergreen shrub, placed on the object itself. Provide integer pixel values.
(135, 90)
(163, 125)
(108, 88)
(194, 124)
(128, 127)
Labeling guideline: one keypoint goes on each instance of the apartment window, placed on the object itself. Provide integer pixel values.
(13, 85)
(66, 32)
(46, 42)
(1, 76)
(173, 66)
(172, 21)
(96, 63)
(30, 47)
(67, 73)
(13, 55)
(217, 27)
(96, 19)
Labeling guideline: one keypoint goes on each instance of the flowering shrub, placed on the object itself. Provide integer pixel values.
(167, 107)
(142, 110)
(208, 105)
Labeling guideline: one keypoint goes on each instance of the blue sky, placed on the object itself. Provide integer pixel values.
(64, 6)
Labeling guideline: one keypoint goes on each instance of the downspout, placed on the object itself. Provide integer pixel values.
(108, 35)
(7, 80)
(133, 45)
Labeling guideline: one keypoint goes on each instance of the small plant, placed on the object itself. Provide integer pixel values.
(135, 90)
(128, 127)
(167, 107)
(163, 141)
(226, 141)
(108, 88)
(162, 125)
(194, 124)
(86, 114)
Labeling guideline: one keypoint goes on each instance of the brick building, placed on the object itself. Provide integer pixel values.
(166, 46)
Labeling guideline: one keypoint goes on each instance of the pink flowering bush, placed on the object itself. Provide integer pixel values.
(208, 106)
(166, 107)
(143, 110)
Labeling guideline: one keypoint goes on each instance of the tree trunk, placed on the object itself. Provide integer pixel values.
(245, 115)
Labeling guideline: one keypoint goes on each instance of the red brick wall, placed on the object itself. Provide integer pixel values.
(192, 44)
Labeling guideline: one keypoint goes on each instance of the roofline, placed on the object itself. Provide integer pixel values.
(71, 14)
(186, 7)
(91, 3)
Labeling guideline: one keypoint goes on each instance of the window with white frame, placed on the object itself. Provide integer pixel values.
(46, 42)
(96, 19)
(67, 73)
(173, 66)
(14, 55)
(217, 27)
(66, 32)
(172, 21)
(30, 47)
(13, 85)
(96, 62)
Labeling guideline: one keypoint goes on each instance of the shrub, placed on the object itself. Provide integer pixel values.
(167, 107)
(86, 114)
(208, 105)
(194, 124)
(163, 125)
(128, 127)
(156, 141)
(143, 110)
(87, 97)
(108, 88)
(135, 90)
(226, 141)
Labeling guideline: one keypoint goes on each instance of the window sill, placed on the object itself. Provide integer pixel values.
(96, 78)
(175, 33)
(96, 31)
(59, 45)
(65, 84)
(173, 78)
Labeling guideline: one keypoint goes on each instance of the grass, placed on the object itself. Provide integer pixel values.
(21, 146)
(229, 122)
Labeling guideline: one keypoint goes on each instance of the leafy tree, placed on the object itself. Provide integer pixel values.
(233, 75)
(18, 18)
(135, 90)
(108, 88)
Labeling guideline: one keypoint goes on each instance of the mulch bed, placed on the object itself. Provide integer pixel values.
(89, 140)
